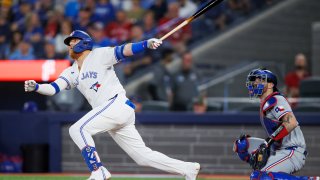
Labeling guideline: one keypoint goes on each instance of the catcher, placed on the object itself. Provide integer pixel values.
(284, 151)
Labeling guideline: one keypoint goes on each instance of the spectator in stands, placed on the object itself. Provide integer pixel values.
(123, 4)
(5, 10)
(219, 17)
(4, 36)
(11, 48)
(84, 19)
(160, 87)
(90, 4)
(199, 105)
(71, 9)
(65, 30)
(293, 78)
(187, 8)
(34, 33)
(180, 38)
(104, 12)
(96, 31)
(52, 25)
(142, 60)
(42, 8)
(20, 12)
(240, 6)
(185, 83)
(159, 8)
(50, 52)
(149, 25)
(119, 29)
(24, 52)
(136, 12)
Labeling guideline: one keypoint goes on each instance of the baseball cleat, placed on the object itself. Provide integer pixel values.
(101, 174)
(193, 174)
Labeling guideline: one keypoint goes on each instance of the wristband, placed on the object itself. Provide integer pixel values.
(280, 133)
(37, 87)
(139, 46)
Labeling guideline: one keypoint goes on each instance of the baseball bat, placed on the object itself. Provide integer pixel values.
(202, 10)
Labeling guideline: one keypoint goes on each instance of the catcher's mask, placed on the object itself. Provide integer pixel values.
(257, 79)
(86, 42)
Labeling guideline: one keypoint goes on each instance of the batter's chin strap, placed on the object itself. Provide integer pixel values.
(91, 157)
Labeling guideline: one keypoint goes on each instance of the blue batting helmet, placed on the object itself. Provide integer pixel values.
(264, 76)
(86, 42)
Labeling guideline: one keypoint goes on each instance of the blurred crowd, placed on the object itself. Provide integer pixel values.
(35, 29)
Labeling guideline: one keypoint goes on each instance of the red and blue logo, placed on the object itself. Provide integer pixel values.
(279, 109)
(95, 86)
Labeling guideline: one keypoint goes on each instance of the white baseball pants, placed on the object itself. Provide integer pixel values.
(118, 119)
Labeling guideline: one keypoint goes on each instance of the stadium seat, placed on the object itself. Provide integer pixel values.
(310, 87)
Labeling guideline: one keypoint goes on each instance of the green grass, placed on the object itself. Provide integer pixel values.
(73, 178)
(7, 177)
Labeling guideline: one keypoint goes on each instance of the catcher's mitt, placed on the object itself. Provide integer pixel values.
(260, 157)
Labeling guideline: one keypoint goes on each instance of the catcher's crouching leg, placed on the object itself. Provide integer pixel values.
(262, 175)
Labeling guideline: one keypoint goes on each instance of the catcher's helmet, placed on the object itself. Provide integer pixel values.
(86, 42)
(264, 76)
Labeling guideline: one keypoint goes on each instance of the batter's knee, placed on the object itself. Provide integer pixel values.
(74, 131)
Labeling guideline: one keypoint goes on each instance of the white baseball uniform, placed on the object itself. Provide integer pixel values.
(112, 112)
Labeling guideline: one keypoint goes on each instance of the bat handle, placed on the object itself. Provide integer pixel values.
(175, 29)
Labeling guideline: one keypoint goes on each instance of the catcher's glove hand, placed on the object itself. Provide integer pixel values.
(260, 157)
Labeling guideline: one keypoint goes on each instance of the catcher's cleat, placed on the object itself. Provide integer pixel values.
(101, 174)
(193, 175)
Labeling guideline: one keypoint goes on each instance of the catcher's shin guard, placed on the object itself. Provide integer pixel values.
(262, 175)
(91, 157)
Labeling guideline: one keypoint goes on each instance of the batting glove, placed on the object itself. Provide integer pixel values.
(30, 85)
(153, 43)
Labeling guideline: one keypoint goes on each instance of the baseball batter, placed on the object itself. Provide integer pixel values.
(284, 151)
(93, 75)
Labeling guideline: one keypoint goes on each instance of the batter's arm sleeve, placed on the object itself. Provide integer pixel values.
(63, 82)
(52, 88)
(112, 55)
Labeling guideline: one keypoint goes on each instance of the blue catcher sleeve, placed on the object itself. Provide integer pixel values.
(262, 175)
